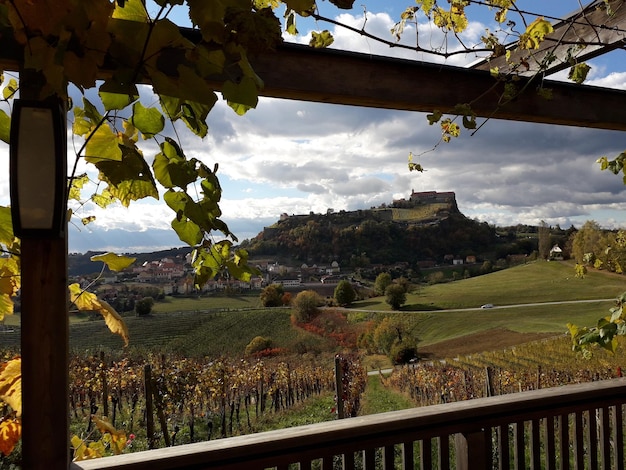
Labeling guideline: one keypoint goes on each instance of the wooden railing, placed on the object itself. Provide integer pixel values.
(574, 426)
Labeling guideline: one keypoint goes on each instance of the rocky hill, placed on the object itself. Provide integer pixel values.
(427, 226)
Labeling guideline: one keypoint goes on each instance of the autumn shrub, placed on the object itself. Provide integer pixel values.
(258, 343)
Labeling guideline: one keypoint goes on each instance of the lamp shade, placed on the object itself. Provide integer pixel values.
(38, 169)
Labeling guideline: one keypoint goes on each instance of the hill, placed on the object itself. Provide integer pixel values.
(428, 226)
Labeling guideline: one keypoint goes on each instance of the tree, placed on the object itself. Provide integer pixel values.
(544, 245)
(395, 296)
(144, 306)
(393, 338)
(306, 305)
(258, 344)
(380, 284)
(344, 293)
(272, 295)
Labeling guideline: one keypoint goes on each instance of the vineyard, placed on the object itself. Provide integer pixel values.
(165, 400)
(540, 364)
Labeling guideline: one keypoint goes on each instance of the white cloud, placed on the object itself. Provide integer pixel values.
(295, 157)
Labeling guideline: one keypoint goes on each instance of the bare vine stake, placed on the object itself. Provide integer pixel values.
(147, 380)
(339, 387)
(105, 388)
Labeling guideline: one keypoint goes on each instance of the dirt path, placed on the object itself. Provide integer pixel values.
(489, 340)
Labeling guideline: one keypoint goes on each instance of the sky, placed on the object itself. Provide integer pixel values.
(296, 157)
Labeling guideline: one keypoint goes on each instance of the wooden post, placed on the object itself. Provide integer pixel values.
(147, 381)
(44, 338)
(339, 387)
(473, 450)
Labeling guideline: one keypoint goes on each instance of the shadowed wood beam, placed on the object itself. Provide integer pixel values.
(593, 25)
(339, 77)
(331, 76)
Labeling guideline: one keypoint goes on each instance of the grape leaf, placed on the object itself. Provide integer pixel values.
(89, 302)
(129, 179)
(114, 261)
(116, 96)
(5, 126)
(321, 40)
(187, 231)
(535, 33)
(241, 96)
(149, 121)
(103, 146)
(133, 10)
(10, 434)
(578, 73)
(6, 226)
(11, 384)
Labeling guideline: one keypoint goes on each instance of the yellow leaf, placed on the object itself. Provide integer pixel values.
(113, 261)
(11, 384)
(10, 433)
(117, 438)
(535, 33)
(83, 451)
(90, 302)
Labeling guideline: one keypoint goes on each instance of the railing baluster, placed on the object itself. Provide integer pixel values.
(550, 444)
(618, 442)
(348, 461)
(579, 443)
(535, 444)
(369, 458)
(305, 465)
(426, 454)
(519, 449)
(444, 452)
(605, 437)
(327, 462)
(407, 455)
(564, 440)
(593, 439)
(504, 454)
(389, 454)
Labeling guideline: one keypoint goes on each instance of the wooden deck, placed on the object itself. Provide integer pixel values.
(569, 427)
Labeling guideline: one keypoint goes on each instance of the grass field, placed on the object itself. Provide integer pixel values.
(533, 282)
(187, 325)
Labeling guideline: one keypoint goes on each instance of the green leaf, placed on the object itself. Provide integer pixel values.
(241, 96)
(103, 145)
(434, 117)
(78, 182)
(321, 40)
(188, 86)
(129, 179)
(578, 73)
(133, 10)
(5, 126)
(171, 168)
(116, 96)
(149, 121)
(187, 231)
(194, 116)
(114, 261)
(10, 89)
(6, 226)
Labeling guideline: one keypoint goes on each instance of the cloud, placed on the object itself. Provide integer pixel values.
(296, 157)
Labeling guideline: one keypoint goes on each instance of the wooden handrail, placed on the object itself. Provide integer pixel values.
(469, 421)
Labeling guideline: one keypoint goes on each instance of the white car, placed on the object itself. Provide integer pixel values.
(487, 306)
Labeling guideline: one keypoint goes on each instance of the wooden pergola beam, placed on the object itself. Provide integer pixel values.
(331, 76)
(339, 77)
(591, 25)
